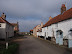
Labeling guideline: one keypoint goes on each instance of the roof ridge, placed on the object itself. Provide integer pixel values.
(66, 15)
(5, 21)
(2, 19)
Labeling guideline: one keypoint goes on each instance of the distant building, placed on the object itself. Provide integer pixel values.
(16, 26)
(37, 28)
(31, 31)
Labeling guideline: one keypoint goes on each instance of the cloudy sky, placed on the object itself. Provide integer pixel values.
(30, 13)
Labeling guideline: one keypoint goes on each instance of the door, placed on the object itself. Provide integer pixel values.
(59, 37)
(45, 35)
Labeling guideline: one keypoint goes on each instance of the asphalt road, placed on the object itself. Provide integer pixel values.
(32, 45)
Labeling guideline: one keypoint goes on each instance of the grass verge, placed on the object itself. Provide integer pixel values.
(11, 49)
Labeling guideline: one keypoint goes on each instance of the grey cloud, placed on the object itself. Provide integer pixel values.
(41, 10)
(29, 7)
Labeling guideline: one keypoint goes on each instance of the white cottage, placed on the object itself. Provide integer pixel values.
(6, 29)
(60, 27)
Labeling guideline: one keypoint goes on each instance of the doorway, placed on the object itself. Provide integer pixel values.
(59, 37)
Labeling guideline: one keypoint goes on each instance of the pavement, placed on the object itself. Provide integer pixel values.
(33, 45)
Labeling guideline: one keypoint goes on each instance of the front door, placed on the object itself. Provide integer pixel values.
(59, 37)
(45, 35)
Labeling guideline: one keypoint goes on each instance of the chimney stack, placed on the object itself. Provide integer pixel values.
(41, 24)
(50, 18)
(63, 8)
(3, 16)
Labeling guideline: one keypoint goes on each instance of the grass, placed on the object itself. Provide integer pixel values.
(11, 49)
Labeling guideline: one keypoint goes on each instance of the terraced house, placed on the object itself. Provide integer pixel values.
(59, 28)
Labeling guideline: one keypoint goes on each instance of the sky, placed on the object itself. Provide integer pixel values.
(30, 13)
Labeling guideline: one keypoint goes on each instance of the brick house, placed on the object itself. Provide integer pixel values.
(37, 28)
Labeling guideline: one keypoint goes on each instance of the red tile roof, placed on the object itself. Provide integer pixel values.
(66, 15)
(35, 27)
(4, 21)
(14, 24)
(31, 30)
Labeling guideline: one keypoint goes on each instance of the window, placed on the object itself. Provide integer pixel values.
(0, 25)
(71, 30)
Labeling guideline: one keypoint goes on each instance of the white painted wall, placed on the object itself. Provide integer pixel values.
(65, 26)
(6, 28)
(52, 30)
(39, 33)
(2, 30)
(3, 25)
(43, 31)
(10, 30)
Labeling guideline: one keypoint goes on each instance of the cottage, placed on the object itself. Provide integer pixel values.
(59, 28)
(37, 28)
(6, 29)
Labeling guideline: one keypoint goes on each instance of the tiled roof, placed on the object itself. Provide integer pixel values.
(4, 21)
(35, 27)
(31, 30)
(66, 15)
(14, 24)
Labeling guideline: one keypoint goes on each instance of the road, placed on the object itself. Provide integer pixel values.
(32, 45)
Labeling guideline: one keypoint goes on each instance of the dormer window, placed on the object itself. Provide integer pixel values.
(0, 25)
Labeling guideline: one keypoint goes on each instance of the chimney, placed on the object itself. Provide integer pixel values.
(63, 8)
(18, 26)
(50, 18)
(41, 24)
(17, 22)
(3, 16)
